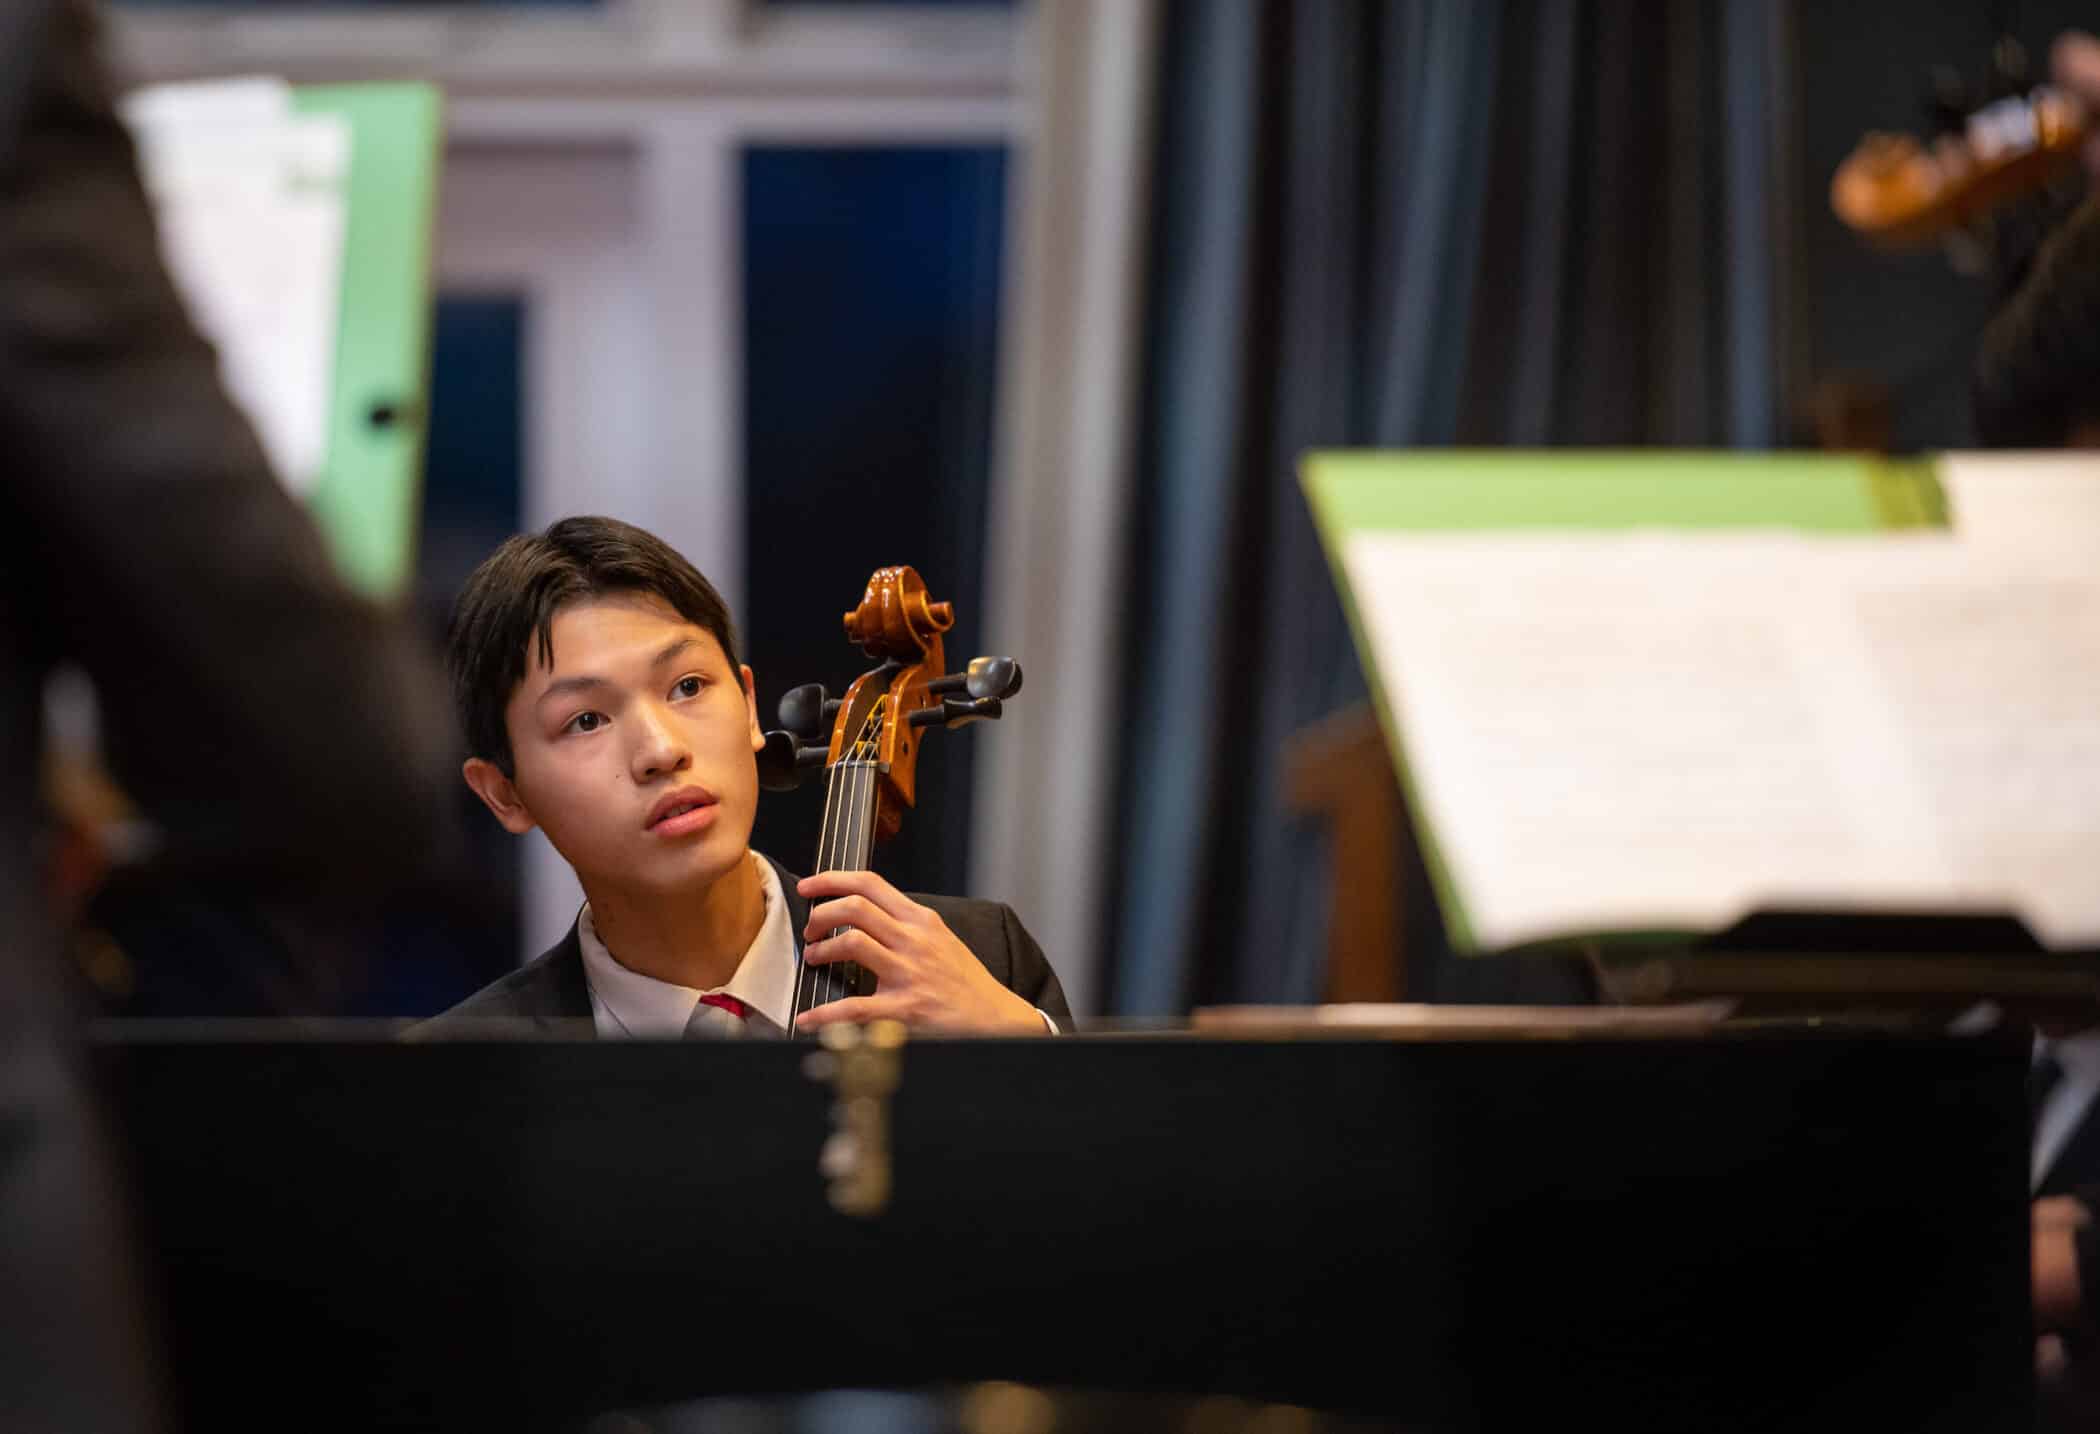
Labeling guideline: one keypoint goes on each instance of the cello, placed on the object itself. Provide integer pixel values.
(867, 741)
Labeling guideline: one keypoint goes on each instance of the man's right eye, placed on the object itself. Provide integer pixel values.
(585, 722)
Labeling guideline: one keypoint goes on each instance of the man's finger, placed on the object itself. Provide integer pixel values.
(2074, 63)
(2057, 1296)
(852, 911)
(852, 945)
(2050, 1360)
(827, 884)
(2061, 1211)
(853, 1011)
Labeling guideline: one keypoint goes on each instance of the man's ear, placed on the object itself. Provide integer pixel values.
(758, 737)
(499, 794)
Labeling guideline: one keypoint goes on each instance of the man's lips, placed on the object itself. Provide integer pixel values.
(685, 810)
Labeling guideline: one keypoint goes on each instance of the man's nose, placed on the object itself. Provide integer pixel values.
(659, 747)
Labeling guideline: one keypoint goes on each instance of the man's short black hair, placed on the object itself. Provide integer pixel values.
(513, 597)
(2037, 374)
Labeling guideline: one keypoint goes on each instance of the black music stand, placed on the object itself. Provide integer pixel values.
(1741, 1231)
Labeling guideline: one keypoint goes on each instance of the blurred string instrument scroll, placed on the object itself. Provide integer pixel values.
(1994, 153)
(868, 742)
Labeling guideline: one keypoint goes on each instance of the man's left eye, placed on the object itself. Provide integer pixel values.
(688, 687)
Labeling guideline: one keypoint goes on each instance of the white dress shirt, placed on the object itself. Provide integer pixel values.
(626, 1005)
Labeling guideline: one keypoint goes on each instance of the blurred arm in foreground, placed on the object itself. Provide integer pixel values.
(277, 729)
(270, 721)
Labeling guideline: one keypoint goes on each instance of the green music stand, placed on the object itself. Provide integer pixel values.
(368, 499)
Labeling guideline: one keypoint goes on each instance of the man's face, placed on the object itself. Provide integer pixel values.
(633, 751)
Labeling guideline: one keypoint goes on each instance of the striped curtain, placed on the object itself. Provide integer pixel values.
(1391, 223)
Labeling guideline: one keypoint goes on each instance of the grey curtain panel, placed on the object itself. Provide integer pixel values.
(1416, 222)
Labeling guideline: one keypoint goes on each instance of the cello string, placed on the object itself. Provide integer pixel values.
(821, 977)
(861, 828)
(844, 970)
(837, 971)
(825, 860)
(842, 859)
(864, 810)
(829, 975)
(803, 974)
(826, 977)
(832, 850)
(870, 800)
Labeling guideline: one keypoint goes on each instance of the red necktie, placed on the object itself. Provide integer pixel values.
(717, 1017)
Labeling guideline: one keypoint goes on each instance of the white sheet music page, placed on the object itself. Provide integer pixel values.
(1617, 731)
(249, 196)
(2026, 509)
(1992, 682)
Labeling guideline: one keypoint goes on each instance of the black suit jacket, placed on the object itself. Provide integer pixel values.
(2076, 1168)
(2071, 1400)
(548, 994)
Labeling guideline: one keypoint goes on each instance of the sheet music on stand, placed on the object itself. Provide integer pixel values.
(1625, 727)
(1425, 1021)
(250, 196)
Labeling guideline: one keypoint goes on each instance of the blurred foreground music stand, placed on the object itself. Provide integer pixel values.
(1861, 965)
(521, 1235)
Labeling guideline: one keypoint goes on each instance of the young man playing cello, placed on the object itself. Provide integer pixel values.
(596, 676)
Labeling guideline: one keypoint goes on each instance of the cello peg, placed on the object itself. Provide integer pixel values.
(985, 677)
(779, 762)
(807, 710)
(993, 677)
(786, 759)
(957, 712)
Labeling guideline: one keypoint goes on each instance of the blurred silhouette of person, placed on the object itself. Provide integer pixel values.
(2074, 66)
(2064, 1245)
(2036, 378)
(275, 728)
(2036, 384)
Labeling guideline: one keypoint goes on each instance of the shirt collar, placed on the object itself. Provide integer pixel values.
(626, 1003)
(2080, 1053)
